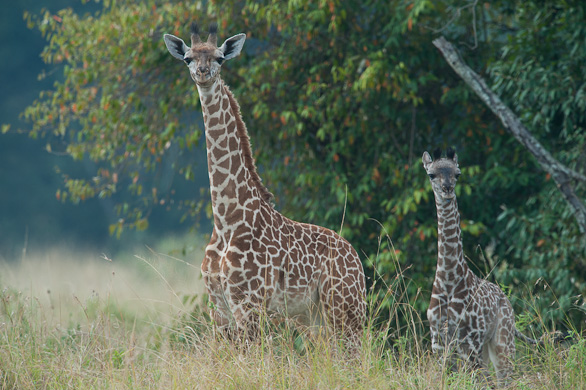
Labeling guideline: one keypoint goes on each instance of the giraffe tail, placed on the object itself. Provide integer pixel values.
(555, 337)
(526, 339)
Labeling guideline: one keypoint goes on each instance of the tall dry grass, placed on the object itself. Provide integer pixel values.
(83, 321)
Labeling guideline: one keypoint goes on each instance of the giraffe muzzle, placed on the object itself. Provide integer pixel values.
(448, 192)
(203, 71)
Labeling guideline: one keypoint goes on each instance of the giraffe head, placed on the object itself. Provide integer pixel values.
(443, 173)
(204, 59)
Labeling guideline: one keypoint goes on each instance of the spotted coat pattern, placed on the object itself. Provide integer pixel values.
(467, 315)
(257, 260)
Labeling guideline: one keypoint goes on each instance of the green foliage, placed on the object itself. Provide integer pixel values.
(112, 105)
(539, 74)
(341, 98)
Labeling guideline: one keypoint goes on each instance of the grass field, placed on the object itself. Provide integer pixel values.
(83, 321)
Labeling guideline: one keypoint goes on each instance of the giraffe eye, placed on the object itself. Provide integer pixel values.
(431, 176)
(187, 60)
(219, 61)
(457, 176)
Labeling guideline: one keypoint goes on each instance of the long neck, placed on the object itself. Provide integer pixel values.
(234, 182)
(450, 258)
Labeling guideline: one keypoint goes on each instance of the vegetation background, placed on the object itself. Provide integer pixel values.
(340, 98)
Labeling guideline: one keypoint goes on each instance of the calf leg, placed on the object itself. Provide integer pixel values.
(502, 352)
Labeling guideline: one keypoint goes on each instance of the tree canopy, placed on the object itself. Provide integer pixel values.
(341, 98)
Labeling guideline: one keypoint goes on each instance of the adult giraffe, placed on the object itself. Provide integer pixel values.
(257, 260)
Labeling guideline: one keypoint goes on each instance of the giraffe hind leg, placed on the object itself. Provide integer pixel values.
(343, 318)
(501, 347)
(501, 355)
(474, 358)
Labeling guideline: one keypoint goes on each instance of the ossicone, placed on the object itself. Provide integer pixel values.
(437, 154)
(194, 29)
(213, 37)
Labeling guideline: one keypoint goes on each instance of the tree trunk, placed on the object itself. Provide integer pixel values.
(561, 174)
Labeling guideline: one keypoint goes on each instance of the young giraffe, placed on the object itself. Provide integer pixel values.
(258, 260)
(467, 314)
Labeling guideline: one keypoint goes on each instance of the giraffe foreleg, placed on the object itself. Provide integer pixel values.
(212, 279)
(477, 364)
(248, 323)
(247, 302)
(438, 331)
(218, 308)
(438, 324)
(473, 347)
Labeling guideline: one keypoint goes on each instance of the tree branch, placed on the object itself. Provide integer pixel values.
(561, 174)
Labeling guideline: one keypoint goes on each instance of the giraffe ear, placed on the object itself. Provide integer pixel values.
(426, 159)
(451, 154)
(233, 46)
(176, 46)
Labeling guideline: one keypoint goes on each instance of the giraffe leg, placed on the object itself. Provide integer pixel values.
(502, 350)
(442, 341)
(456, 340)
(438, 323)
(344, 314)
(475, 355)
(442, 345)
(210, 270)
(438, 331)
(219, 311)
(480, 367)
(501, 357)
(247, 324)
(245, 313)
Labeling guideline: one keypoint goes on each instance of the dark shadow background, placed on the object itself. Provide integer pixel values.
(31, 218)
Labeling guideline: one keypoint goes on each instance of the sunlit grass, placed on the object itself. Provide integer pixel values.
(85, 321)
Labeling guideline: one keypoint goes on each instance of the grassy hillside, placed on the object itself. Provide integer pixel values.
(81, 321)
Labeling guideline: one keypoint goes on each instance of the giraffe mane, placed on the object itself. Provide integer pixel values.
(246, 149)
